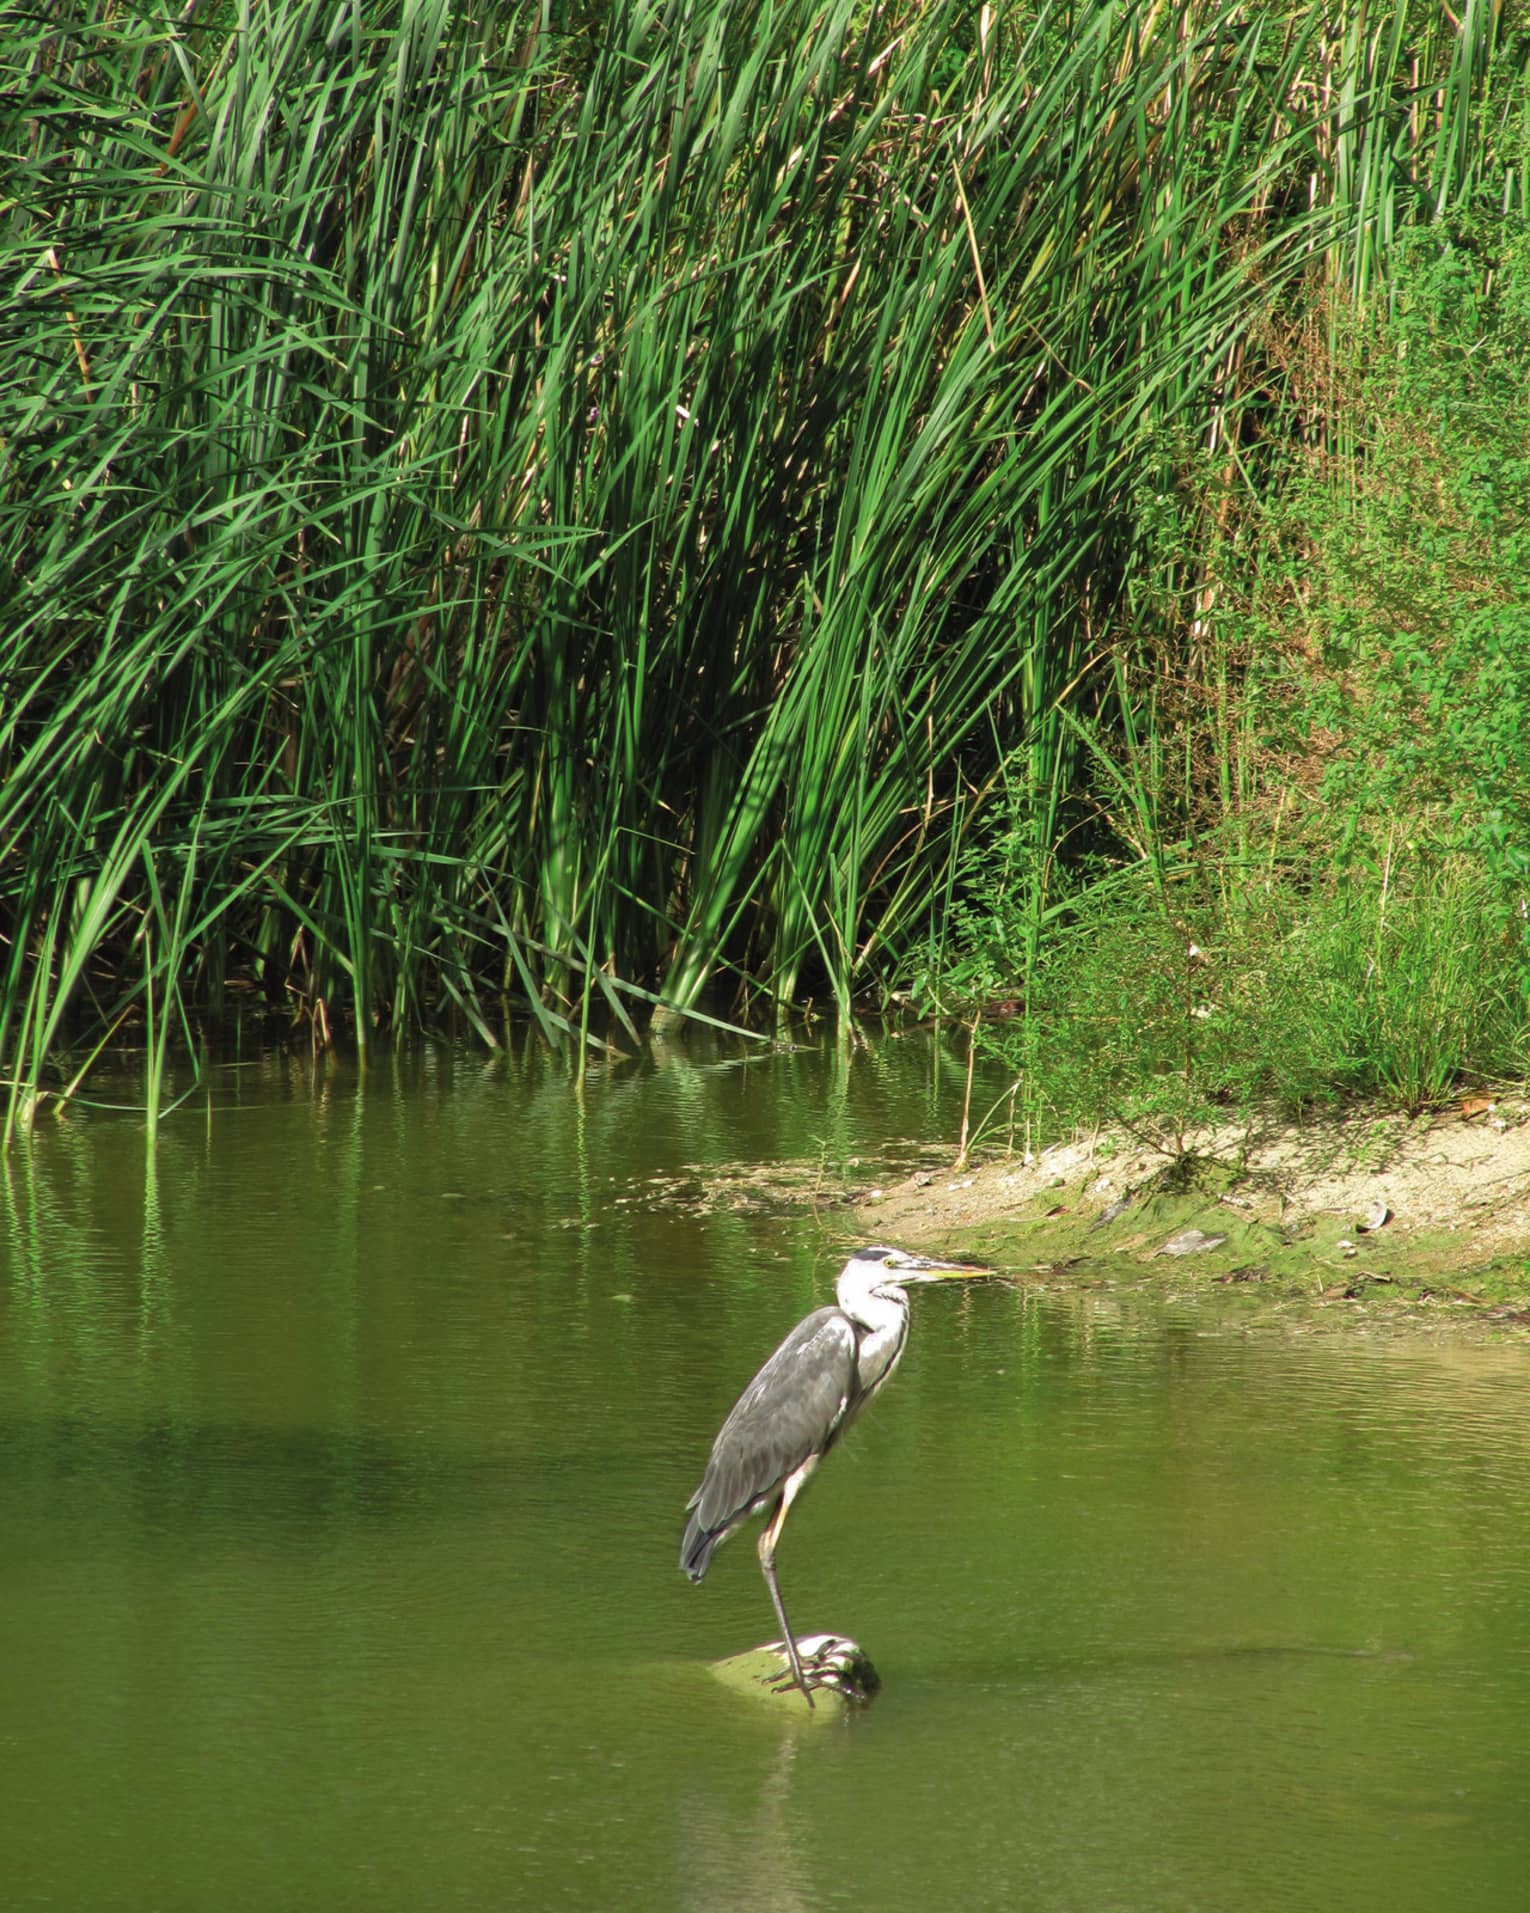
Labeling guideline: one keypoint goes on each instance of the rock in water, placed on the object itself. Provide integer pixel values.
(844, 1674)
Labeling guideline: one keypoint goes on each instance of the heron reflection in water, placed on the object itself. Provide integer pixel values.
(796, 1409)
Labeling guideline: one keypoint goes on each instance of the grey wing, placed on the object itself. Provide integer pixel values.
(788, 1412)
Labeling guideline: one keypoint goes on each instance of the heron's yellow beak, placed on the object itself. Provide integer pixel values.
(926, 1269)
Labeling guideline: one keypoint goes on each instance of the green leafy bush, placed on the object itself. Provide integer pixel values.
(1314, 803)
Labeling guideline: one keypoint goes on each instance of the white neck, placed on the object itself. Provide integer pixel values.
(871, 1298)
(868, 1294)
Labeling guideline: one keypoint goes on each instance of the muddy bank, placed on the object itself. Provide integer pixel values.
(1421, 1222)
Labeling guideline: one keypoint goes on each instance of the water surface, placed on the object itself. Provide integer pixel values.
(342, 1473)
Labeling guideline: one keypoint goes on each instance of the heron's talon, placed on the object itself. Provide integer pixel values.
(820, 1673)
(784, 1680)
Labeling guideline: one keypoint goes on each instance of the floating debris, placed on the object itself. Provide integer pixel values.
(773, 1188)
(1378, 1218)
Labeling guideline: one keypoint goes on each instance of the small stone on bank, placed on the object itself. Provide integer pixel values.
(1191, 1242)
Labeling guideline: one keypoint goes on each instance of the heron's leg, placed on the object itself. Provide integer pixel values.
(768, 1568)
(768, 1540)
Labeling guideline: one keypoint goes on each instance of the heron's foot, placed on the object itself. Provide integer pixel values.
(830, 1662)
(786, 1680)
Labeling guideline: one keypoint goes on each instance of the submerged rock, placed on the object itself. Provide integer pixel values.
(840, 1669)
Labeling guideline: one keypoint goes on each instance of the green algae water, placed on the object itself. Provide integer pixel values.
(342, 1473)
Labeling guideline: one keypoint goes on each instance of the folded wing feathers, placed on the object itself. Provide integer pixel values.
(790, 1411)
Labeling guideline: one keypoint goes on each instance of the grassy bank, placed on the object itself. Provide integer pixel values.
(510, 514)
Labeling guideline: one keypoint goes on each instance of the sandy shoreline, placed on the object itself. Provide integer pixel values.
(1427, 1214)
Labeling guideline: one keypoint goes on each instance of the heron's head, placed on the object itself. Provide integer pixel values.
(883, 1272)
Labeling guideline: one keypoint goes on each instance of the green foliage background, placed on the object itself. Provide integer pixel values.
(505, 510)
(1331, 896)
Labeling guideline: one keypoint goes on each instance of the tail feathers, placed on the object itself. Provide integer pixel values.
(697, 1548)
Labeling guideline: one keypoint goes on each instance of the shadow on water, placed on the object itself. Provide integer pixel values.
(342, 1474)
(201, 1477)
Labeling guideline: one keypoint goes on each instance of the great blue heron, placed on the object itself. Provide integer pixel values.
(798, 1407)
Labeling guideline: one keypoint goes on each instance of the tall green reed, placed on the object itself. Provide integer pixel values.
(506, 516)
